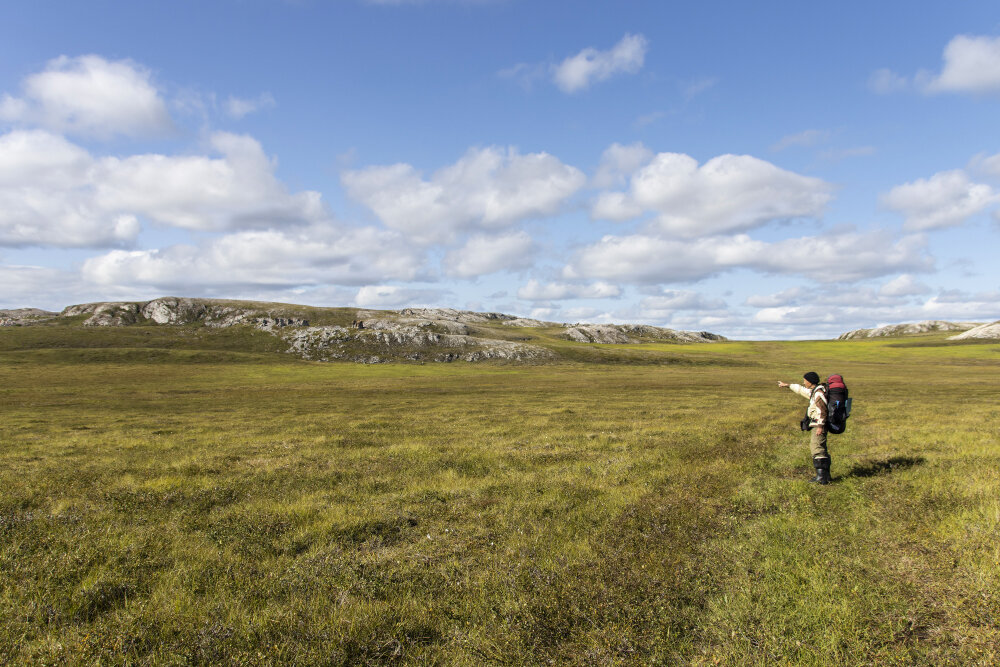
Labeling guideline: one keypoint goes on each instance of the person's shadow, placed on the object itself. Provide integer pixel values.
(885, 466)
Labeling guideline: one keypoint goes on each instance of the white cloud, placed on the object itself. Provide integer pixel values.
(672, 300)
(946, 199)
(583, 314)
(616, 207)
(971, 65)
(589, 65)
(484, 254)
(729, 193)
(91, 96)
(790, 296)
(804, 139)
(235, 191)
(845, 257)
(238, 107)
(842, 257)
(53, 192)
(46, 195)
(988, 166)
(796, 315)
(618, 162)
(487, 189)
(34, 286)
(536, 291)
(393, 296)
(903, 285)
(276, 259)
(545, 313)
(838, 318)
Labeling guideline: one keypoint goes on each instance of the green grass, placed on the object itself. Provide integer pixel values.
(180, 495)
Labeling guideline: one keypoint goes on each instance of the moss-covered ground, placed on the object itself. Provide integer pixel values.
(176, 496)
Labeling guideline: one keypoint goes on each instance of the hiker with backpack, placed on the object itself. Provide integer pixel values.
(828, 411)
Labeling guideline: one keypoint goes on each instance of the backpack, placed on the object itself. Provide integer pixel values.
(838, 404)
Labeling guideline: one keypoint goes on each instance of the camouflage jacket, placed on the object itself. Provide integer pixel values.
(817, 402)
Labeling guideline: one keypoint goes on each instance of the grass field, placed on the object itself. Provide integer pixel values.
(171, 498)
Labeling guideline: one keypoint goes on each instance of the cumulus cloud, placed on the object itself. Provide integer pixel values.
(672, 300)
(394, 296)
(843, 316)
(238, 107)
(797, 315)
(785, 297)
(585, 315)
(842, 257)
(274, 258)
(729, 193)
(47, 195)
(234, 191)
(618, 162)
(36, 287)
(92, 96)
(986, 166)
(818, 303)
(483, 254)
(53, 192)
(945, 199)
(547, 313)
(903, 285)
(578, 72)
(536, 291)
(685, 309)
(488, 189)
(971, 65)
(615, 207)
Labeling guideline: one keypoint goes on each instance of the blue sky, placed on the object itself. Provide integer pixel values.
(759, 170)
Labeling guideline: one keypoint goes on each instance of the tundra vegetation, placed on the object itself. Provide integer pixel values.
(190, 495)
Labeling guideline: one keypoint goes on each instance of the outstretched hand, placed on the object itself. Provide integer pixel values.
(782, 384)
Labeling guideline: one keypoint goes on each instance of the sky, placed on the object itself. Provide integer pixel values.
(768, 170)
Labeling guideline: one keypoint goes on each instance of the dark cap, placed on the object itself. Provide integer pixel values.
(812, 377)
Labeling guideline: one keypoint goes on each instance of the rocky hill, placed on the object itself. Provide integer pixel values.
(362, 335)
(985, 331)
(21, 316)
(912, 329)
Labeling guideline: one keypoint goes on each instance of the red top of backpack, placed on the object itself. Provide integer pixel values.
(836, 382)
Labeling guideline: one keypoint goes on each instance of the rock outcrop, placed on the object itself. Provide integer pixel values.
(21, 316)
(913, 329)
(172, 310)
(984, 331)
(385, 343)
(635, 333)
(417, 334)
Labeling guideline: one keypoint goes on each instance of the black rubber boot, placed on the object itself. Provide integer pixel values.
(822, 471)
(825, 472)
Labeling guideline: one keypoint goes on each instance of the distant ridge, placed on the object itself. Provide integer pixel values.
(984, 331)
(364, 335)
(912, 329)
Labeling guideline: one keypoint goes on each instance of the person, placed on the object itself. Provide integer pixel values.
(815, 422)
